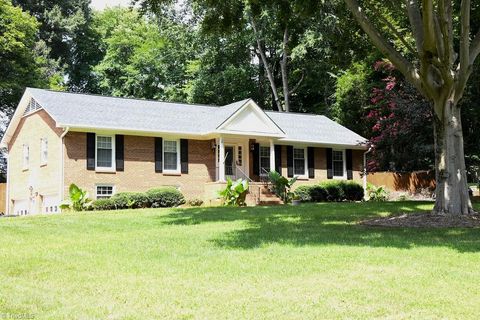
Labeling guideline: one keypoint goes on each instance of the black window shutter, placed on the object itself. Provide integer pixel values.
(329, 163)
(184, 155)
(158, 154)
(311, 162)
(119, 152)
(90, 151)
(349, 164)
(256, 159)
(290, 161)
(278, 158)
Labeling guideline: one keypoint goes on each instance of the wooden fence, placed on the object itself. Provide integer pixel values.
(3, 196)
(408, 182)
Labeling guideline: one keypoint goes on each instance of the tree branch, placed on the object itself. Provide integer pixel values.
(475, 48)
(464, 68)
(270, 77)
(415, 18)
(394, 31)
(402, 64)
(284, 70)
(298, 83)
(428, 26)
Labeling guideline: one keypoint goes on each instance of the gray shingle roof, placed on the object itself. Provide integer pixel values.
(93, 111)
(314, 128)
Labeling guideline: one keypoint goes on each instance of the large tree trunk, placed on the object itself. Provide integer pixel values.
(452, 197)
(284, 69)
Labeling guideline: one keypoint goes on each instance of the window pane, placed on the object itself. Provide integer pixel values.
(104, 192)
(265, 152)
(299, 166)
(298, 153)
(104, 152)
(299, 162)
(170, 155)
(264, 160)
(337, 155)
(338, 168)
(170, 161)
(170, 146)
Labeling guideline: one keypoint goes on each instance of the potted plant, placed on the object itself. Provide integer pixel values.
(296, 200)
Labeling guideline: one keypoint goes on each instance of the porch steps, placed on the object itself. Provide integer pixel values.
(260, 195)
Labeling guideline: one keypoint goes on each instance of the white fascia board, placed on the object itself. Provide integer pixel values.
(17, 116)
(322, 144)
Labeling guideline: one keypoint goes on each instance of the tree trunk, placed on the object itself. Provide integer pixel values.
(452, 197)
(284, 69)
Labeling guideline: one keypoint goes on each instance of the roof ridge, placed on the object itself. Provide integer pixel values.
(297, 113)
(127, 98)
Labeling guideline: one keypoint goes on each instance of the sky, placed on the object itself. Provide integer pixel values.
(102, 4)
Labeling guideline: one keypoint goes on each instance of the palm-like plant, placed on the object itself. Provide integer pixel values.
(78, 199)
(235, 192)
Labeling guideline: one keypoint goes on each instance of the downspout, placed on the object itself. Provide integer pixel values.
(365, 172)
(62, 163)
(7, 198)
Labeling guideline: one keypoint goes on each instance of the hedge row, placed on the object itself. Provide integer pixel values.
(331, 191)
(155, 198)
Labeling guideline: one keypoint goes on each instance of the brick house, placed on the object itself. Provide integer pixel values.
(107, 145)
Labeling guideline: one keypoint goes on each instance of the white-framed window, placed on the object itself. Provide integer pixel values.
(105, 152)
(339, 164)
(299, 162)
(43, 151)
(171, 156)
(104, 191)
(26, 156)
(264, 160)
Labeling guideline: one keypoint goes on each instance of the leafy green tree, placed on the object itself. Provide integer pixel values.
(66, 28)
(144, 57)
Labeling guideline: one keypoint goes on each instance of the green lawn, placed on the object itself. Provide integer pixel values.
(306, 262)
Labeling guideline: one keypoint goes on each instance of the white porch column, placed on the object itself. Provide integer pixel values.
(272, 156)
(221, 162)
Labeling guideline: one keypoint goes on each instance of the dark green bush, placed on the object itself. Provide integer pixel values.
(128, 200)
(333, 191)
(165, 197)
(353, 191)
(103, 204)
(304, 193)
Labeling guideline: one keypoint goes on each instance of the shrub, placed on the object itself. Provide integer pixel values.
(377, 193)
(330, 191)
(334, 190)
(128, 200)
(318, 193)
(103, 204)
(165, 197)
(353, 191)
(235, 192)
(195, 202)
(304, 193)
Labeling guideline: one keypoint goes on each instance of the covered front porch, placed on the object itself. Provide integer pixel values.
(235, 157)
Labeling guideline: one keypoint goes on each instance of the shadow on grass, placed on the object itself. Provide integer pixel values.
(324, 224)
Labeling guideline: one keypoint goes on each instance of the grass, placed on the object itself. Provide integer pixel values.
(306, 262)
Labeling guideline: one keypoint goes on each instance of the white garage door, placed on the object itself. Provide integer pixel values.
(51, 204)
(21, 207)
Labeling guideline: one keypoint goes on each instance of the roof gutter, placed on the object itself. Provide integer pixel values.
(62, 163)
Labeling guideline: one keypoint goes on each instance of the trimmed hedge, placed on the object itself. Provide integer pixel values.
(154, 198)
(330, 191)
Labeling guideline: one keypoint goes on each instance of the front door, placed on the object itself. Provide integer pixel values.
(229, 162)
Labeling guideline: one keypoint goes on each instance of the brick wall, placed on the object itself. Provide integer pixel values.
(139, 173)
(45, 179)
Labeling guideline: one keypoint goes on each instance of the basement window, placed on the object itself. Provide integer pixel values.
(104, 191)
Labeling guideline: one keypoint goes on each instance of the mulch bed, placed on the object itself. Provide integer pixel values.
(425, 220)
